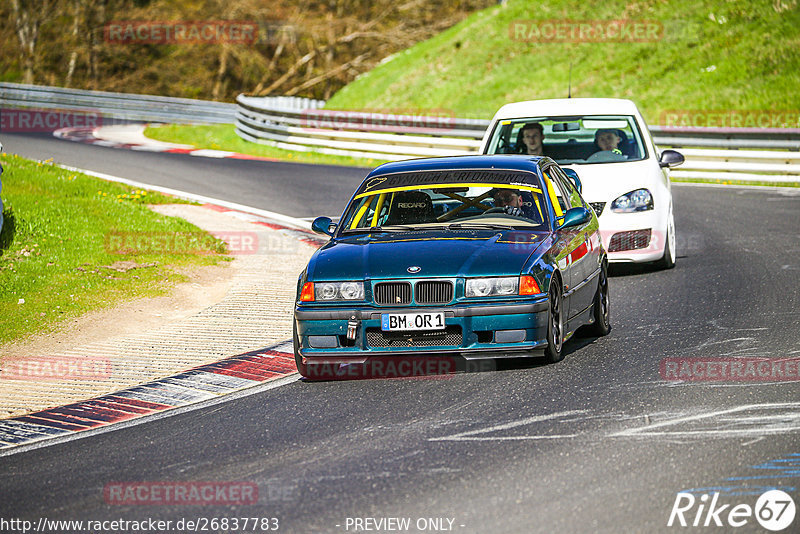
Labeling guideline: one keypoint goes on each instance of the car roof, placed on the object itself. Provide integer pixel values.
(567, 106)
(518, 162)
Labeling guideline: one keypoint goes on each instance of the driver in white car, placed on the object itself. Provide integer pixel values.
(532, 136)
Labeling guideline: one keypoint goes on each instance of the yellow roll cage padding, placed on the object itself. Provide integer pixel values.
(375, 215)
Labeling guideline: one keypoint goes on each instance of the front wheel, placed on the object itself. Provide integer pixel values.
(602, 323)
(668, 260)
(298, 360)
(555, 324)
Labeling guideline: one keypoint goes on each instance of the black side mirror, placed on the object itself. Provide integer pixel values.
(323, 225)
(670, 158)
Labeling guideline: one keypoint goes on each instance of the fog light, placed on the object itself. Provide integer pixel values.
(509, 336)
(323, 342)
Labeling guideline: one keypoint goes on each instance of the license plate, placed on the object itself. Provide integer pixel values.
(412, 321)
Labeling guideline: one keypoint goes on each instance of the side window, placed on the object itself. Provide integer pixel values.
(575, 200)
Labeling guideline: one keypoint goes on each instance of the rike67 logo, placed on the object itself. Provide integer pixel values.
(774, 510)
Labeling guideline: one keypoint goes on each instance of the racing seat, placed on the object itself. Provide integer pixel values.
(410, 207)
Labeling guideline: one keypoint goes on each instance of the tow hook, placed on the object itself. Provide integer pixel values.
(352, 328)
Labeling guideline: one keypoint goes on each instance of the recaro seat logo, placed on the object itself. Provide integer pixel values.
(774, 510)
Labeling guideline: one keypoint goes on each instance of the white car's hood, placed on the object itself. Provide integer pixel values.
(604, 182)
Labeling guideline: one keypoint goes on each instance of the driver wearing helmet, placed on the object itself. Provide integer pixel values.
(510, 200)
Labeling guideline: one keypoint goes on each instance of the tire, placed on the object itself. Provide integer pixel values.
(555, 324)
(298, 360)
(668, 260)
(600, 308)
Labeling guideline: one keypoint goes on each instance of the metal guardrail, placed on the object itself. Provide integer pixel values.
(117, 106)
(711, 153)
(301, 124)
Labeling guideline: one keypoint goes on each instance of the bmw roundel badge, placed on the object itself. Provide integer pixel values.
(414, 269)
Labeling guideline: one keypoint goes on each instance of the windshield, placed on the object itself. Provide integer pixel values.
(571, 140)
(448, 206)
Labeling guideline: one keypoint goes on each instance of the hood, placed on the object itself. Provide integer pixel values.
(437, 254)
(604, 182)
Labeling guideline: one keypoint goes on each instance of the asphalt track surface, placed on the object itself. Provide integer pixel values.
(296, 189)
(596, 443)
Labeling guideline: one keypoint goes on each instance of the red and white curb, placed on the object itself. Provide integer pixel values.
(204, 384)
(196, 385)
(131, 137)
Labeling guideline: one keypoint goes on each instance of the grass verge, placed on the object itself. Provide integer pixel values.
(705, 55)
(223, 137)
(56, 261)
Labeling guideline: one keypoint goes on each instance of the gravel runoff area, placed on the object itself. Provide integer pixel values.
(252, 310)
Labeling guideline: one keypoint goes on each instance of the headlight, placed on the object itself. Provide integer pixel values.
(639, 200)
(492, 287)
(332, 291)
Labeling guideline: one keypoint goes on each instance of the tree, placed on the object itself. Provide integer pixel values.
(28, 17)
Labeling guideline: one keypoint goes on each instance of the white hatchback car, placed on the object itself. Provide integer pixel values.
(623, 175)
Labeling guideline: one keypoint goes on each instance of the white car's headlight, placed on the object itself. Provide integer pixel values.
(332, 291)
(639, 200)
(491, 287)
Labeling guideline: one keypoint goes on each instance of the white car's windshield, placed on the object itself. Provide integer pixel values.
(570, 140)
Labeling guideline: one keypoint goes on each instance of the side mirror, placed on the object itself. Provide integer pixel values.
(323, 225)
(575, 217)
(574, 177)
(670, 158)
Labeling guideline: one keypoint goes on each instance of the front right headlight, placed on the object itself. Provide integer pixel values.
(638, 200)
(332, 291)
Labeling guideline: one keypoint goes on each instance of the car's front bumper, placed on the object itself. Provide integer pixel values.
(623, 234)
(471, 331)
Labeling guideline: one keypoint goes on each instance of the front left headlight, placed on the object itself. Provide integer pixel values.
(638, 200)
(491, 287)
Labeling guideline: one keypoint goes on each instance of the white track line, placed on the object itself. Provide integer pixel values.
(291, 221)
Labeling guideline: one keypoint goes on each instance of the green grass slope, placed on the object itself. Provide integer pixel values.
(709, 55)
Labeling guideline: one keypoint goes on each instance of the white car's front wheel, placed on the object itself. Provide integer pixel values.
(668, 260)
